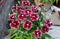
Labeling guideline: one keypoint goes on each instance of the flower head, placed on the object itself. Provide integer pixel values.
(45, 29)
(14, 7)
(19, 8)
(34, 9)
(27, 25)
(24, 0)
(15, 24)
(48, 23)
(34, 16)
(27, 12)
(21, 16)
(37, 33)
(41, 5)
(21, 11)
(12, 16)
(25, 3)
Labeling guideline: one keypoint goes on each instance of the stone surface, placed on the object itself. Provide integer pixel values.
(55, 16)
(55, 32)
(4, 16)
(2, 3)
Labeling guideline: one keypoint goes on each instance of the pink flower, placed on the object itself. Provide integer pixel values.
(14, 7)
(37, 33)
(34, 9)
(24, 0)
(45, 29)
(27, 12)
(41, 5)
(34, 16)
(15, 24)
(48, 23)
(25, 3)
(21, 17)
(12, 16)
(19, 8)
(21, 11)
(27, 25)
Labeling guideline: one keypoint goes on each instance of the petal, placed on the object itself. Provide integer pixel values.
(15, 24)
(35, 9)
(27, 12)
(14, 7)
(45, 29)
(21, 17)
(19, 8)
(34, 16)
(37, 33)
(27, 25)
(12, 16)
(25, 3)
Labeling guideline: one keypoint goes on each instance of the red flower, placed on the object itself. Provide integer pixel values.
(45, 29)
(41, 5)
(21, 11)
(34, 9)
(24, 0)
(27, 12)
(21, 17)
(15, 24)
(48, 23)
(14, 7)
(12, 16)
(27, 25)
(25, 3)
(19, 8)
(37, 33)
(34, 16)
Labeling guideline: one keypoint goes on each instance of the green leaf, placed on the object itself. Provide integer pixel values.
(43, 1)
(39, 0)
(56, 1)
(21, 36)
(47, 36)
(19, 2)
(46, 1)
(51, 1)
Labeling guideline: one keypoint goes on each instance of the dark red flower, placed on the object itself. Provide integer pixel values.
(14, 7)
(12, 16)
(27, 25)
(41, 5)
(48, 23)
(25, 3)
(34, 9)
(15, 24)
(21, 11)
(27, 12)
(34, 16)
(19, 8)
(21, 17)
(24, 0)
(37, 33)
(45, 29)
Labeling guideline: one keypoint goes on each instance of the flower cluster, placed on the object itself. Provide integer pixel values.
(28, 15)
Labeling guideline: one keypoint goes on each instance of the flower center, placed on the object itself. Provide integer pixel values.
(25, 3)
(13, 16)
(15, 24)
(27, 11)
(34, 16)
(22, 15)
(37, 33)
(27, 24)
